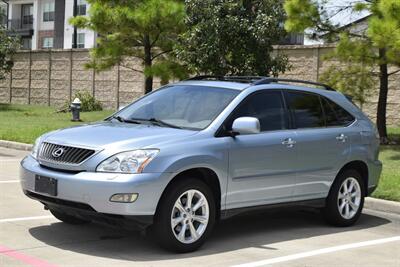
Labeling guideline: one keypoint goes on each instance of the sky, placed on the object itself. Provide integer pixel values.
(342, 18)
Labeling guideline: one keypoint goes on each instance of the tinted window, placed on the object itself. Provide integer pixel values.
(335, 114)
(267, 107)
(306, 110)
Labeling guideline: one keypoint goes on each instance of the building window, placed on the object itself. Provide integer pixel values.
(27, 14)
(48, 42)
(81, 8)
(48, 12)
(81, 40)
(26, 43)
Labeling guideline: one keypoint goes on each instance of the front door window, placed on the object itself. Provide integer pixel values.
(267, 107)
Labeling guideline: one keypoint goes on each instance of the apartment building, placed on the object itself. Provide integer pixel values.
(43, 24)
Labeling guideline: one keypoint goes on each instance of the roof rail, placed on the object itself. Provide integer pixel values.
(268, 80)
(205, 77)
(256, 80)
(243, 79)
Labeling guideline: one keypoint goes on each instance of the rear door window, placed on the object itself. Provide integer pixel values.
(306, 109)
(335, 114)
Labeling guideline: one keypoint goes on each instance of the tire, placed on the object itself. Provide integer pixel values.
(187, 222)
(344, 210)
(69, 219)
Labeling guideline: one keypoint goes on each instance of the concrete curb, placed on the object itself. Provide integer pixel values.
(15, 145)
(382, 205)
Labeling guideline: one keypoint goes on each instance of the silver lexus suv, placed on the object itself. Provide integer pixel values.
(189, 154)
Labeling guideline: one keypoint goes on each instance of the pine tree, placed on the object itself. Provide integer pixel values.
(146, 30)
(376, 48)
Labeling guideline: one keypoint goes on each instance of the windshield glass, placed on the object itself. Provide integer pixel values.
(185, 106)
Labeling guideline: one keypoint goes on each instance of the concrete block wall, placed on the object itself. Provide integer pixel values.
(52, 77)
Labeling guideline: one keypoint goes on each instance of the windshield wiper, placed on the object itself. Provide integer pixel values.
(164, 123)
(159, 122)
(120, 119)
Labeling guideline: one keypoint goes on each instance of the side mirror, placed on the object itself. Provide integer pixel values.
(246, 125)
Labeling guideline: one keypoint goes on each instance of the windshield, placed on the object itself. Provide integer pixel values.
(183, 106)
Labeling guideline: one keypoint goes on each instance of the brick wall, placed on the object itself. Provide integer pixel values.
(51, 77)
(42, 35)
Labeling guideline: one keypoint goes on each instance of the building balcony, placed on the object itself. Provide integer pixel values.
(293, 39)
(21, 27)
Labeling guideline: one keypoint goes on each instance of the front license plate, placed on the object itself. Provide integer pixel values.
(46, 185)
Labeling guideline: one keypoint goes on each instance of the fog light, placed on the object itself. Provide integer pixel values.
(124, 198)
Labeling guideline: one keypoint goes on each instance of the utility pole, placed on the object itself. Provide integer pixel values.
(75, 34)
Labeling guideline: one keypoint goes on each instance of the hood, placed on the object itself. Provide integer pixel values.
(116, 134)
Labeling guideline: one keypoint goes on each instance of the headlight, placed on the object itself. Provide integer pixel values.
(35, 149)
(128, 162)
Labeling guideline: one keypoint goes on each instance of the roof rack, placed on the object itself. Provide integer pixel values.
(268, 80)
(242, 79)
(256, 80)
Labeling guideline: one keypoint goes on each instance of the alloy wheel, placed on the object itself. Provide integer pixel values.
(349, 198)
(189, 217)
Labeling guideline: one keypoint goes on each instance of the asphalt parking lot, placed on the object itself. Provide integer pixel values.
(30, 236)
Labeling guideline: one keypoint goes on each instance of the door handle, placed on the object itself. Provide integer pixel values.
(289, 142)
(341, 138)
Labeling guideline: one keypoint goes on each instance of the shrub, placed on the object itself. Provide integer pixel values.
(88, 102)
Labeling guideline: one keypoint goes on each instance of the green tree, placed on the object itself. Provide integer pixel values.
(8, 46)
(354, 80)
(231, 37)
(375, 48)
(145, 29)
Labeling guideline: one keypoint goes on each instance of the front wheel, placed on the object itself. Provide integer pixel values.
(186, 216)
(346, 199)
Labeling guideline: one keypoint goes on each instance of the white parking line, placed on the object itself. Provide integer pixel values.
(319, 252)
(26, 218)
(9, 181)
(8, 160)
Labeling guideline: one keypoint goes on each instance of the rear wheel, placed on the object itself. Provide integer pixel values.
(346, 199)
(186, 216)
(68, 218)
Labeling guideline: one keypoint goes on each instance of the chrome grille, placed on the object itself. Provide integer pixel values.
(68, 154)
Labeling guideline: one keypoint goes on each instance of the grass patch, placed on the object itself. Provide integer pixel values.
(394, 131)
(394, 134)
(389, 184)
(23, 123)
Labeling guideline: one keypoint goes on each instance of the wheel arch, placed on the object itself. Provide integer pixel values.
(205, 174)
(359, 166)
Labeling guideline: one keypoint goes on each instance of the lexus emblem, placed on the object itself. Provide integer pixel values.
(57, 152)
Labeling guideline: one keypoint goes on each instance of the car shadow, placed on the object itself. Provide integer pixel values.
(260, 230)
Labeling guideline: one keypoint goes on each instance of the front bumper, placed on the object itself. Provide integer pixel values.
(84, 211)
(94, 189)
